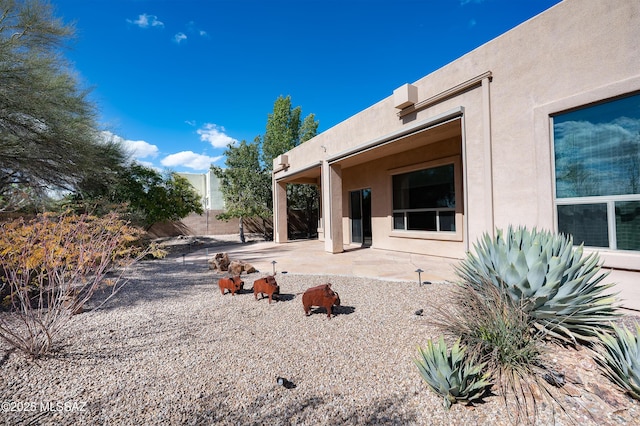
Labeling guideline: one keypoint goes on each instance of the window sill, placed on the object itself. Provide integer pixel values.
(427, 235)
(617, 259)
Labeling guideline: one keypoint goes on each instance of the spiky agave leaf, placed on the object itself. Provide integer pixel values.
(451, 374)
(619, 358)
(561, 289)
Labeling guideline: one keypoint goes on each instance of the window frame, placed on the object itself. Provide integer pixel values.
(608, 200)
(456, 235)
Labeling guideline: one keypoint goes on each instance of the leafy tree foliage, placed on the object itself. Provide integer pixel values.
(303, 196)
(308, 129)
(245, 184)
(144, 195)
(48, 136)
(284, 132)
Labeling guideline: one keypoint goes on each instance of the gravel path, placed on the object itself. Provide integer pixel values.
(170, 349)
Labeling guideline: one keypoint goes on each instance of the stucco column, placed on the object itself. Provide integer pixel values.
(332, 207)
(488, 155)
(279, 212)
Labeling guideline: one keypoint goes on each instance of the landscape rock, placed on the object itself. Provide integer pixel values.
(220, 262)
(236, 267)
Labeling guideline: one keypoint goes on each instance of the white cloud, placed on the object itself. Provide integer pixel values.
(137, 149)
(141, 149)
(180, 37)
(147, 21)
(189, 159)
(193, 29)
(215, 135)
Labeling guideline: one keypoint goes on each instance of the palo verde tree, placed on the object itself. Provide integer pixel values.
(244, 183)
(285, 131)
(48, 137)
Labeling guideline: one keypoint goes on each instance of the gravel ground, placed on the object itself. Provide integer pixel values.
(170, 349)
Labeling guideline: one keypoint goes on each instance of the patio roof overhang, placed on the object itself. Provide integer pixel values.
(445, 129)
(434, 129)
(309, 174)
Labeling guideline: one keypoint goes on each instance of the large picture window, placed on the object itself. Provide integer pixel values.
(425, 200)
(597, 173)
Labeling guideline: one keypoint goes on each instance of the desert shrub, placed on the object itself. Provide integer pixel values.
(498, 331)
(450, 373)
(52, 265)
(493, 326)
(618, 355)
(558, 287)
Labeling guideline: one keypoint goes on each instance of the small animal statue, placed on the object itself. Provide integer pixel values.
(266, 285)
(233, 284)
(322, 296)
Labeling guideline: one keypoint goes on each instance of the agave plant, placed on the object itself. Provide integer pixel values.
(561, 289)
(619, 358)
(451, 375)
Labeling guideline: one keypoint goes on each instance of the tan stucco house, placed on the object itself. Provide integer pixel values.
(538, 127)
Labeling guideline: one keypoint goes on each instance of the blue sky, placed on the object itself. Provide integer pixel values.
(177, 80)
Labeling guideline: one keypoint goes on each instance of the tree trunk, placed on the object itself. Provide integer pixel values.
(264, 229)
(242, 240)
(310, 224)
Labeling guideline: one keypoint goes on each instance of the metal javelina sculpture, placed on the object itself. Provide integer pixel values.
(268, 286)
(233, 284)
(322, 296)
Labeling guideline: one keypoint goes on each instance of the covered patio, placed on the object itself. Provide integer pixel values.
(357, 195)
(309, 257)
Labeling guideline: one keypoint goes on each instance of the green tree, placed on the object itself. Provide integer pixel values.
(244, 183)
(48, 136)
(309, 128)
(303, 196)
(284, 132)
(144, 195)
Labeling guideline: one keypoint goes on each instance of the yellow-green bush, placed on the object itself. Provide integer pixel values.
(50, 267)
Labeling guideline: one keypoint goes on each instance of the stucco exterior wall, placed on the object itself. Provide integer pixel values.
(577, 52)
(567, 51)
(376, 176)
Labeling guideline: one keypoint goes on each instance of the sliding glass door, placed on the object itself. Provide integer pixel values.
(360, 212)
